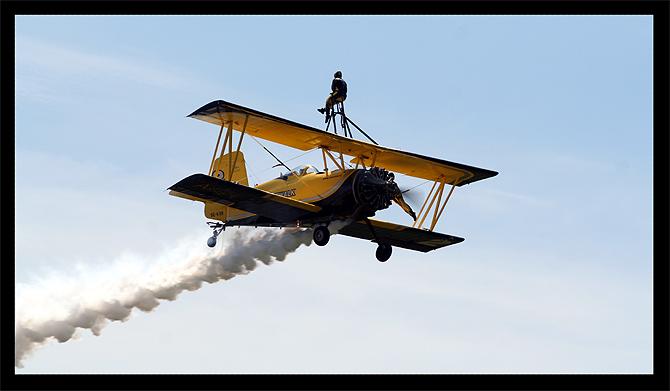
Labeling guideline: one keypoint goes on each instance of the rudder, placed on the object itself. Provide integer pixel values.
(221, 168)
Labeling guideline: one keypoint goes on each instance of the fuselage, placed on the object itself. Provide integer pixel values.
(332, 191)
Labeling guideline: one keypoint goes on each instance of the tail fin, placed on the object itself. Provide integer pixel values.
(221, 168)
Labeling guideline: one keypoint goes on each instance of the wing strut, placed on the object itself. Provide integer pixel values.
(228, 142)
(325, 152)
(437, 196)
(216, 149)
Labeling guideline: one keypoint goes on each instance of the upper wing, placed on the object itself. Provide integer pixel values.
(303, 137)
(400, 236)
(242, 197)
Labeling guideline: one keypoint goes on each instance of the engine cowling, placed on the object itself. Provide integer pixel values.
(375, 188)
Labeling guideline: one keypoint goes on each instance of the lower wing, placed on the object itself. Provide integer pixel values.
(400, 235)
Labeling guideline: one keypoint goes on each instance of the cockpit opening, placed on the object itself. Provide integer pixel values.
(301, 170)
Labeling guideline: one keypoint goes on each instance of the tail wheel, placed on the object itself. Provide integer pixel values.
(384, 251)
(211, 242)
(321, 235)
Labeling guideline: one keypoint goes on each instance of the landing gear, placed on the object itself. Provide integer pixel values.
(321, 235)
(217, 227)
(384, 251)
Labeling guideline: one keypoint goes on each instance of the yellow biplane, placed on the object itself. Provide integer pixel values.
(341, 199)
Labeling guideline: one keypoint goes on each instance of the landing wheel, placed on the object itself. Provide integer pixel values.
(384, 252)
(217, 227)
(321, 235)
(211, 242)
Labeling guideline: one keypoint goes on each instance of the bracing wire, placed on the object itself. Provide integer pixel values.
(277, 159)
(253, 173)
(272, 154)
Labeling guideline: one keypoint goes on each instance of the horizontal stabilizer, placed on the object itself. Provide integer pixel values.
(249, 199)
(400, 235)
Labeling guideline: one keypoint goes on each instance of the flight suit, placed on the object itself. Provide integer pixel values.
(339, 94)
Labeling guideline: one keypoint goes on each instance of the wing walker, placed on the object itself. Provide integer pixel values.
(357, 179)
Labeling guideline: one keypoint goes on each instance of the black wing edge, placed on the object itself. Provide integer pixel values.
(478, 173)
(222, 107)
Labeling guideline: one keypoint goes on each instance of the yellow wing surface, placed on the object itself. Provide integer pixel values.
(303, 137)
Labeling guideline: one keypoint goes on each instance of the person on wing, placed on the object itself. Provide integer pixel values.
(339, 94)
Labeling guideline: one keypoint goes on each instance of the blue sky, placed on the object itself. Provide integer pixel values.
(555, 274)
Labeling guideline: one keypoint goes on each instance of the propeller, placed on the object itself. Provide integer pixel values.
(412, 196)
(398, 199)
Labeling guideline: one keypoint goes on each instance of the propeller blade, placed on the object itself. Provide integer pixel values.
(398, 199)
(413, 196)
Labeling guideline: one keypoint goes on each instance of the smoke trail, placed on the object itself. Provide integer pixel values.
(56, 307)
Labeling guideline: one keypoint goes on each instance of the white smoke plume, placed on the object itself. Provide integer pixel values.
(56, 307)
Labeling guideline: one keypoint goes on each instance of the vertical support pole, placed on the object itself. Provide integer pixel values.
(325, 165)
(333, 159)
(216, 149)
(229, 138)
(239, 144)
(424, 205)
(445, 202)
(341, 157)
(332, 117)
(439, 191)
(439, 200)
(360, 159)
(230, 149)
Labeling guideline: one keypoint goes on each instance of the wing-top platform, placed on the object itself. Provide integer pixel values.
(303, 137)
